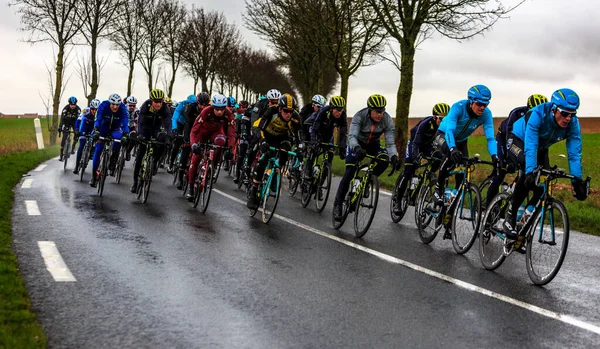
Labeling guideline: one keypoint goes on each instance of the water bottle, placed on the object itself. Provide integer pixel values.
(355, 185)
(453, 194)
(520, 213)
(414, 182)
(527, 213)
(315, 171)
(447, 195)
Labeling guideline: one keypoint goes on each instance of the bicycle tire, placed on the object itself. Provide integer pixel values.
(207, 189)
(66, 152)
(141, 177)
(464, 235)
(372, 186)
(148, 181)
(483, 188)
(198, 182)
(325, 172)
(403, 201)
(491, 238)
(305, 192)
(267, 213)
(83, 161)
(120, 165)
(252, 212)
(103, 172)
(293, 181)
(345, 211)
(424, 218)
(536, 233)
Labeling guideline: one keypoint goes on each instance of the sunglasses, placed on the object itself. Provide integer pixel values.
(218, 108)
(565, 113)
(340, 109)
(287, 110)
(480, 105)
(157, 101)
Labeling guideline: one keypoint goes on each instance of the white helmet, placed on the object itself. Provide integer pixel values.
(114, 99)
(95, 103)
(131, 100)
(273, 94)
(219, 100)
(175, 103)
(319, 100)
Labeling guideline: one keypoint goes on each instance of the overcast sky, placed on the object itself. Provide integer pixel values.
(545, 45)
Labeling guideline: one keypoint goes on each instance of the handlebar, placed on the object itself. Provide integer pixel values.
(292, 153)
(555, 173)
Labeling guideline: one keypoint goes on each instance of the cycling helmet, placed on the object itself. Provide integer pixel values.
(376, 102)
(287, 102)
(157, 95)
(262, 97)
(337, 102)
(273, 94)
(175, 103)
(535, 100)
(319, 100)
(243, 104)
(480, 94)
(131, 100)
(72, 100)
(566, 99)
(168, 100)
(441, 109)
(114, 99)
(191, 99)
(203, 98)
(230, 101)
(219, 100)
(95, 103)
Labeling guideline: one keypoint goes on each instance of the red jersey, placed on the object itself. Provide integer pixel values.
(208, 121)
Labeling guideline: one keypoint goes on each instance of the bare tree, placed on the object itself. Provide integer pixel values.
(153, 29)
(56, 21)
(128, 36)
(411, 22)
(97, 16)
(176, 33)
(85, 71)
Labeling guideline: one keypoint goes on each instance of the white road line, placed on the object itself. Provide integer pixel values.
(548, 313)
(27, 183)
(40, 167)
(54, 262)
(32, 208)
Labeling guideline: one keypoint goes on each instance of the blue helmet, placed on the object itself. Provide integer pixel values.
(219, 100)
(191, 99)
(566, 99)
(230, 101)
(72, 100)
(480, 94)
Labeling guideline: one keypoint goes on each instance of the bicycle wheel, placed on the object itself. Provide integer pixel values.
(323, 188)
(305, 192)
(142, 176)
(205, 195)
(491, 238)
(466, 219)
(120, 165)
(66, 152)
(366, 207)
(426, 220)
(252, 212)
(103, 171)
(403, 201)
(198, 184)
(273, 186)
(547, 242)
(483, 189)
(185, 183)
(345, 211)
(148, 180)
(84, 160)
(293, 177)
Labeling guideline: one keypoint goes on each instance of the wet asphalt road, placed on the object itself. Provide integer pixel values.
(163, 275)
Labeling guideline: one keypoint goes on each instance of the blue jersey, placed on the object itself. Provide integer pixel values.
(86, 123)
(112, 121)
(178, 120)
(538, 130)
(458, 125)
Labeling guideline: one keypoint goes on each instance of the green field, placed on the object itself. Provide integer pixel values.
(18, 324)
(584, 216)
(19, 135)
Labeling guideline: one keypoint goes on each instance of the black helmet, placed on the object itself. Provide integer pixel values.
(203, 98)
(286, 101)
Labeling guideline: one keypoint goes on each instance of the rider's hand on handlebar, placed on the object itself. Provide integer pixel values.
(342, 153)
(456, 155)
(530, 181)
(360, 152)
(580, 189)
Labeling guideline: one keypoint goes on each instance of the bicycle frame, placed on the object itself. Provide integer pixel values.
(271, 165)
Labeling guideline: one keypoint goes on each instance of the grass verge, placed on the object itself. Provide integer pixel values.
(19, 135)
(584, 215)
(18, 324)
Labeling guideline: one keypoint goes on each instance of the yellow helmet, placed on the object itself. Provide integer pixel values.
(441, 109)
(376, 102)
(535, 100)
(157, 95)
(337, 102)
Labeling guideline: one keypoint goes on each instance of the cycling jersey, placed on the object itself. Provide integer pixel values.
(421, 137)
(324, 124)
(507, 125)
(273, 125)
(151, 121)
(68, 116)
(179, 114)
(211, 123)
(539, 130)
(86, 124)
(364, 131)
(461, 122)
(107, 120)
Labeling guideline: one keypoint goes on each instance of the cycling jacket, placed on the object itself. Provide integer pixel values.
(114, 121)
(179, 115)
(507, 125)
(461, 122)
(421, 136)
(68, 116)
(364, 130)
(324, 123)
(86, 124)
(539, 131)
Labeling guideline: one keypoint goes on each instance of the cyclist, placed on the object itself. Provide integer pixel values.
(276, 127)
(242, 118)
(325, 120)
(133, 119)
(452, 136)
(318, 102)
(111, 118)
(169, 102)
(420, 142)
(154, 122)
(86, 126)
(212, 123)
(544, 125)
(231, 136)
(178, 125)
(69, 115)
(366, 128)
(504, 132)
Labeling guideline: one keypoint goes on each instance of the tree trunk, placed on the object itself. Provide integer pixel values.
(172, 82)
(130, 77)
(204, 83)
(195, 85)
(407, 64)
(345, 77)
(57, 90)
(94, 83)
